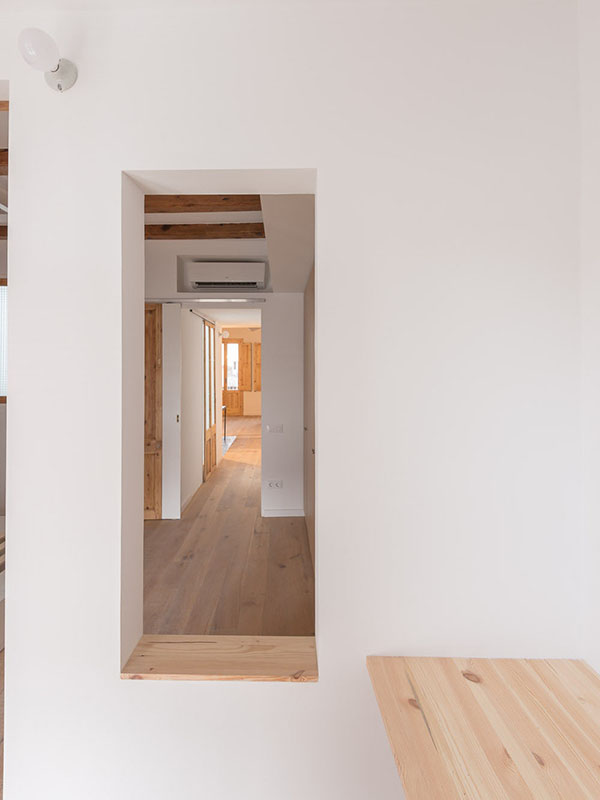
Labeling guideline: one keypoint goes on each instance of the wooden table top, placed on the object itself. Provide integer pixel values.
(491, 729)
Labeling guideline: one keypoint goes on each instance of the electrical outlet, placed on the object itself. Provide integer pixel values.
(275, 428)
(278, 484)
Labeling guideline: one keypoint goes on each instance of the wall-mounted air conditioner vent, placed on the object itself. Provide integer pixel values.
(199, 275)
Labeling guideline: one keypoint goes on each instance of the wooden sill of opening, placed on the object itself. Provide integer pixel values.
(223, 658)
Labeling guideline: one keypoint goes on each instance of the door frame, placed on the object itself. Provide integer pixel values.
(153, 446)
(209, 352)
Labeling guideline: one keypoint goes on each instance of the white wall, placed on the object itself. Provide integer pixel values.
(309, 447)
(128, 399)
(192, 404)
(590, 298)
(252, 404)
(448, 504)
(2, 459)
(282, 379)
(171, 437)
(3, 274)
(161, 260)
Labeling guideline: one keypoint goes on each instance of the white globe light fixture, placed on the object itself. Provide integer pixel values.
(40, 51)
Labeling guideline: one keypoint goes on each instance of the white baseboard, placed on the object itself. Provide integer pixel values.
(283, 512)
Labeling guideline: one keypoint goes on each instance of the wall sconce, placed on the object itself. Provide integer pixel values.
(40, 51)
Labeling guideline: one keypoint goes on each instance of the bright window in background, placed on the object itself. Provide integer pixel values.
(232, 365)
(3, 332)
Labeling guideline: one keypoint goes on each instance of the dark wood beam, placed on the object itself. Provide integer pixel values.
(3, 161)
(3, 232)
(3, 105)
(226, 230)
(184, 203)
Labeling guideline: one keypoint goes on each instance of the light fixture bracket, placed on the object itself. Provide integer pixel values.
(63, 77)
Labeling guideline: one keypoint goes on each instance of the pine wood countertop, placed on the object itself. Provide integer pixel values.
(223, 658)
(491, 729)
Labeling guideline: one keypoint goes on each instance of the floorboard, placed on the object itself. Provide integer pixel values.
(223, 569)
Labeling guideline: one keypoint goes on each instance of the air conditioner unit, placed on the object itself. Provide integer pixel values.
(200, 276)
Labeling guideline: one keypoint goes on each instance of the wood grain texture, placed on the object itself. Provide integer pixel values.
(194, 203)
(491, 728)
(245, 367)
(224, 569)
(153, 412)
(224, 658)
(234, 401)
(256, 367)
(4, 105)
(3, 161)
(3, 229)
(223, 230)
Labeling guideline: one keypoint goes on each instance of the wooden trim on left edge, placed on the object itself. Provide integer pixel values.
(3, 105)
(3, 399)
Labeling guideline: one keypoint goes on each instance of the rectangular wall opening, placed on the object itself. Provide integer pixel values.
(218, 564)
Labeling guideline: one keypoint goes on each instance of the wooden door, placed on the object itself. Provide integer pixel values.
(256, 367)
(237, 375)
(153, 412)
(234, 402)
(245, 367)
(210, 401)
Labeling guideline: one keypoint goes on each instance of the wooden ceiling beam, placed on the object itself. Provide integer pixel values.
(3, 161)
(183, 203)
(225, 230)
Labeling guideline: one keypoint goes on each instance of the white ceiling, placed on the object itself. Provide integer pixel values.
(225, 181)
(240, 317)
(203, 217)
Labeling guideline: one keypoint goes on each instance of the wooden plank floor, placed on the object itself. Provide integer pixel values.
(223, 658)
(224, 569)
(491, 728)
